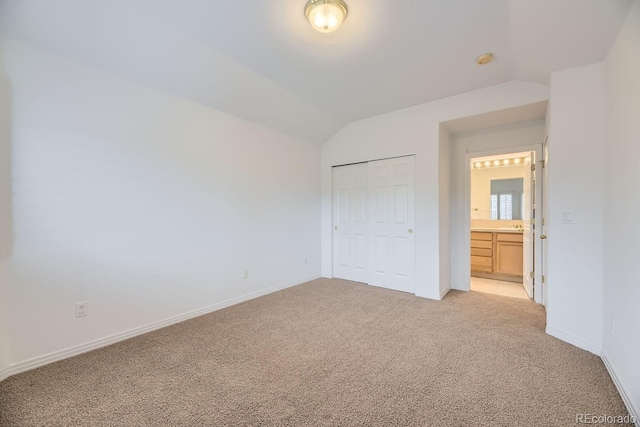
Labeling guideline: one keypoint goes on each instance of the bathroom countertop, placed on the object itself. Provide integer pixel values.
(498, 230)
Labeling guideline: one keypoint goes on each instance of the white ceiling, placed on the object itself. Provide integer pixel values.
(261, 60)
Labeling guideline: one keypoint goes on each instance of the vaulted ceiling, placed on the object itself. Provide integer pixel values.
(262, 61)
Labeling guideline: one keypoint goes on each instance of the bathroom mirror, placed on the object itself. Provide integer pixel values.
(495, 198)
(506, 199)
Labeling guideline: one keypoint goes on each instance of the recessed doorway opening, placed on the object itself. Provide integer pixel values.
(502, 195)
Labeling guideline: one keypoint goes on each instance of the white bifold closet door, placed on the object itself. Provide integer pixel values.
(350, 222)
(390, 232)
(373, 229)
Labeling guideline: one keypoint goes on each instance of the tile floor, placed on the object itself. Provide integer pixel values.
(498, 287)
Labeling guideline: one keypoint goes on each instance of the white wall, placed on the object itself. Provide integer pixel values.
(502, 137)
(622, 204)
(576, 177)
(415, 131)
(5, 215)
(143, 204)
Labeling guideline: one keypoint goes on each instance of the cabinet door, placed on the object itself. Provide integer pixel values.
(508, 258)
(482, 264)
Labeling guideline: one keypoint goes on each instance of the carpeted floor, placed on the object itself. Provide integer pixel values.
(328, 352)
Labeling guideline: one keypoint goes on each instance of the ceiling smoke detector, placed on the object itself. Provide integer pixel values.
(485, 58)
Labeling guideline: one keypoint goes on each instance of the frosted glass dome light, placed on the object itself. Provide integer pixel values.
(325, 15)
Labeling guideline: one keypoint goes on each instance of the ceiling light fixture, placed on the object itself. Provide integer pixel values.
(325, 15)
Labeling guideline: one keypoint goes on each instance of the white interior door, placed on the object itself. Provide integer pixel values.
(527, 235)
(391, 222)
(542, 240)
(350, 222)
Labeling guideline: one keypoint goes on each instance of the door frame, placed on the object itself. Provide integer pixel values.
(545, 212)
(539, 287)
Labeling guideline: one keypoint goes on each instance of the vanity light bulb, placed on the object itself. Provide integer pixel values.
(487, 163)
(496, 162)
(478, 165)
(516, 160)
(526, 159)
(506, 161)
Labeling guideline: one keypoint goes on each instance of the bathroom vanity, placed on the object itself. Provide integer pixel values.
(497, 254)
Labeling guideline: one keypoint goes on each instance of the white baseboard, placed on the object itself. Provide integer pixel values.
(433, 295)
(36, 362)
(444, 292)
(4, 373)
(631, 407)
(571, 339)
(428, 295)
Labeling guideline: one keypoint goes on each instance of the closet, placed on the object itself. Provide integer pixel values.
(373, 223)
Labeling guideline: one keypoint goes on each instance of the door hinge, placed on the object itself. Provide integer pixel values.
(531, 274)
(542, 164)
(542, 279)
(533, 167)
(542, 221)
(533, 221)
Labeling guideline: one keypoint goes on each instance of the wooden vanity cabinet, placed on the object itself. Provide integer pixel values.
(481, 251)
(508, 254)
(496, 255)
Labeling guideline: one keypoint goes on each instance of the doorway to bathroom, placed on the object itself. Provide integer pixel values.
(502, 195)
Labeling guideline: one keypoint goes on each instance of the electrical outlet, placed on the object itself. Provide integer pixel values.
(82, 309)
(246, 273)
(613, 324)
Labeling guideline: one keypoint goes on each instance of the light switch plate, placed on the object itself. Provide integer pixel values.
(568, 217)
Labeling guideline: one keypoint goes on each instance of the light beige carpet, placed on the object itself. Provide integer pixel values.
(328, 352)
